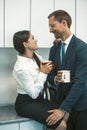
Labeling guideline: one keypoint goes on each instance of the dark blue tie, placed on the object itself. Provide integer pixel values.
(63, 50)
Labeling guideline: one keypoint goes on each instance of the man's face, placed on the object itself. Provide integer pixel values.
(56, 28)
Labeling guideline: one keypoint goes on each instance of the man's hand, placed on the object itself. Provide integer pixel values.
(56, 115)
(59, 77)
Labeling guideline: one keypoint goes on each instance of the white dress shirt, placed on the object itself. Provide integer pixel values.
(67, 41)
(30, 80)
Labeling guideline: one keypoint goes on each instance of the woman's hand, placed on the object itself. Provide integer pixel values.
(46, 68)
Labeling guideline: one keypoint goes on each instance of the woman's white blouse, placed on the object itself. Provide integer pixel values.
(30, 80)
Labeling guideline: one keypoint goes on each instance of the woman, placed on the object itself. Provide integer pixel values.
(31, 75)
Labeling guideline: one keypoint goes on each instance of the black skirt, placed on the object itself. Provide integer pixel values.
(37, 109)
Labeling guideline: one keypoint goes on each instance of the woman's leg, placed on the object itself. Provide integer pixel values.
(35, 109)
(62, 126)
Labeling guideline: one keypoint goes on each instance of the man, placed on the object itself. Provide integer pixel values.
(72, 96)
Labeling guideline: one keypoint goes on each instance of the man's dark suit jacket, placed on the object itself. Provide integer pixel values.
(71, 95)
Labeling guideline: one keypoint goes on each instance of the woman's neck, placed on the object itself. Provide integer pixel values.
(28, 55)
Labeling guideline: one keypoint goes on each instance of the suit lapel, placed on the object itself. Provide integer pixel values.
(59, 59)
(70, 51)
(56, 55)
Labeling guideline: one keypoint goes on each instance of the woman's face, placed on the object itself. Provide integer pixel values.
(32, 43)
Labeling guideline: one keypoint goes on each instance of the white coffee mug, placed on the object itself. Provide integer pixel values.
(65, 76)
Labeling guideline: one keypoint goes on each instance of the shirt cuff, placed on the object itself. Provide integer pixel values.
(42, 76)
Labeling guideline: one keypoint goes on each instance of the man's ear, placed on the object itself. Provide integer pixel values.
(25, 44)
(64, 22)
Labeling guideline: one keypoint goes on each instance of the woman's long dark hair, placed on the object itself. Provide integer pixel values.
(37, 59)
(18, 39)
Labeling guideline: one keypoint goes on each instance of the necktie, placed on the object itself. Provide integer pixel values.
(63, 50)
